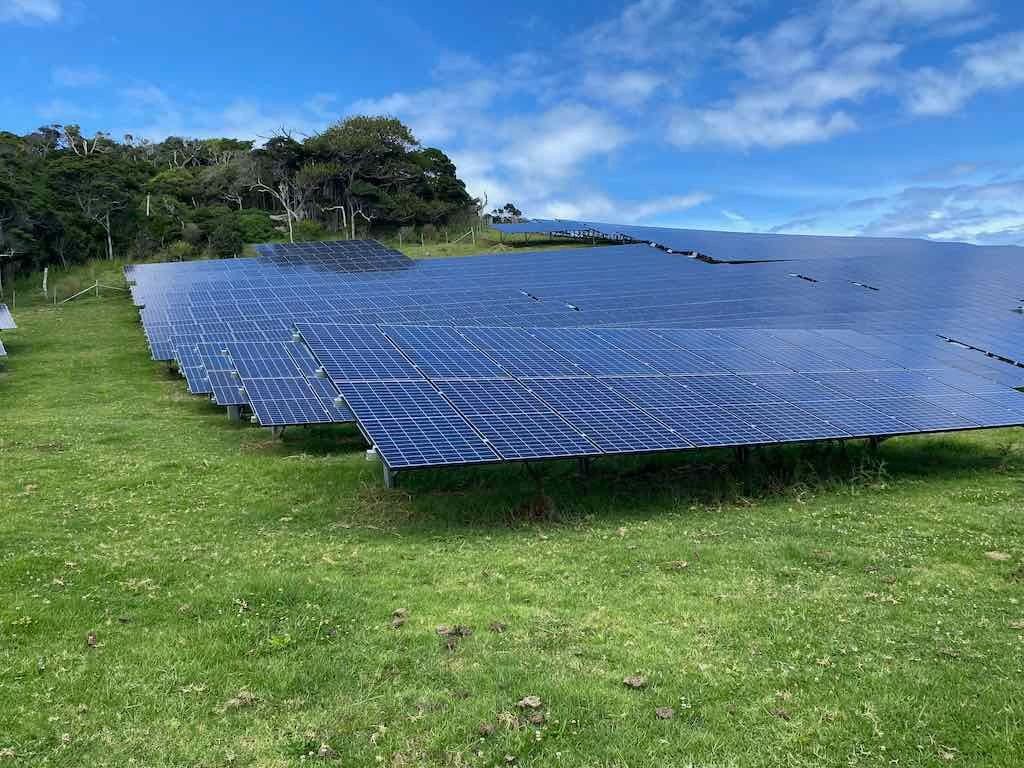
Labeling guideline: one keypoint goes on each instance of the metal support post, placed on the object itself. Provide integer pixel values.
(234, 413)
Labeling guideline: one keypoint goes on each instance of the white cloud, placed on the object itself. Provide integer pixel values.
(995, 64)
(552, 145)
(743, 127)
(78, 77)
(30, 11)
(150, 112)
(436, 115)
(650, 29)
(794, 88)
(598, 207)
(629, 88)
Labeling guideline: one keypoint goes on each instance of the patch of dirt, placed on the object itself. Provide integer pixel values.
(998, 556)
(635, 681)
(240, 700)
(664, 713)
(398, 617)
(498, 627)
(530, 702)
(486, 729)
(326, 752)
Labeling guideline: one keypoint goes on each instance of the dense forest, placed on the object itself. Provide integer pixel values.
(65, 197)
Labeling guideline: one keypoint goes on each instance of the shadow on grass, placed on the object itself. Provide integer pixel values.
(643, 486)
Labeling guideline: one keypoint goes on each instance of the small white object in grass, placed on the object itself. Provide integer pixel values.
(372, 455)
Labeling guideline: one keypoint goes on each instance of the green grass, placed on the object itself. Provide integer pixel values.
(815, 607)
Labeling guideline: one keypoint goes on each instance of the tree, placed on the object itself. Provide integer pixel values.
(508, 214)
(66, 197)
(371, 155)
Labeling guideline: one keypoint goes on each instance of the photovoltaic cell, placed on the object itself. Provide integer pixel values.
(922, 415)
(6, 321)
(709, 426)
(409, 443)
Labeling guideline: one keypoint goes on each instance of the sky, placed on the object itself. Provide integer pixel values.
(874, 117)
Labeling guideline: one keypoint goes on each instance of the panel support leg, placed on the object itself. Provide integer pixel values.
(234, 413)
(277, 432)
(390, 477)
(874, 442)
(583, 465)
(742, 454)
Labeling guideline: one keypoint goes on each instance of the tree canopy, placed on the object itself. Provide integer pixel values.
(66, 197)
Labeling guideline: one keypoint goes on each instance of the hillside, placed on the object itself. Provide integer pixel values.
(178, 590)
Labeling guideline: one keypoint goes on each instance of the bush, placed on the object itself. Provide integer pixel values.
(309, 230)
(179, 250)
(429, 233)
(226, 238)
(256, 226)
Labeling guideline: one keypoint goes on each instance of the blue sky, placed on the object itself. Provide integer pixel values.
(882, 117)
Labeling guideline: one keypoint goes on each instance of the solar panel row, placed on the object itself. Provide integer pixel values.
(583, 394)
(587, 352)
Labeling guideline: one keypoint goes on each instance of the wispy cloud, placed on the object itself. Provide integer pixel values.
(995, 64)
(30, 11)
(78, 77)
(601, 207)
(628, 88)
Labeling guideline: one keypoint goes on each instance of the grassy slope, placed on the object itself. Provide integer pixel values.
(813, 609)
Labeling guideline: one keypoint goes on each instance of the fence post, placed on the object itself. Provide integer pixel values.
(46, 274)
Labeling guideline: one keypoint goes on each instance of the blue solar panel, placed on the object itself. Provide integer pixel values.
(727, 390)
(793, 387)
(617, 343)
(739, 360)
(709, 426)
(395, 399)
(922, 414)
(533, 364)
(6, 321)
(284, 402)
(376, 360)
(856, 418)
(226, 388)
(856, 384)
(627, 431)
(786, 422)
(407, 443)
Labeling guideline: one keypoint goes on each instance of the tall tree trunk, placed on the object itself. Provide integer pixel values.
(110, 240)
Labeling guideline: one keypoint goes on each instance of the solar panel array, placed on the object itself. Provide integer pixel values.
(755, 246)
(596, 351)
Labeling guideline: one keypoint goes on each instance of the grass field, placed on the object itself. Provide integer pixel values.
(179, 591)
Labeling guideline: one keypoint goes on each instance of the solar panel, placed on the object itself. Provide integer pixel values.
(922, 414)
(604, 350)
(785, 422)
(711, 425)
(6, 320)
(284, 402)
(856, 418)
